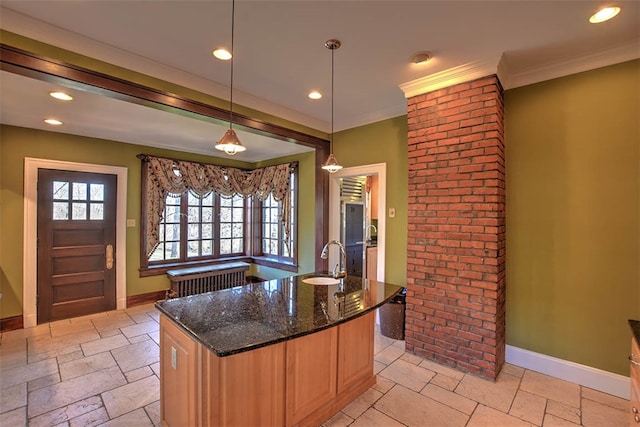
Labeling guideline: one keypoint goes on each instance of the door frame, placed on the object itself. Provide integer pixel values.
(379, 169)
(30, 230)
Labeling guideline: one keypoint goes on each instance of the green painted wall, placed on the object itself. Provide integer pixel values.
(306, 216)
(17, 143)
(573, 194)
(384, 142)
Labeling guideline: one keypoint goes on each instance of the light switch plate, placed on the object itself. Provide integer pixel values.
(392, 212)
(131, 222)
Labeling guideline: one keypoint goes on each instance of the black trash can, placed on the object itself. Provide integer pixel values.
(392, 316)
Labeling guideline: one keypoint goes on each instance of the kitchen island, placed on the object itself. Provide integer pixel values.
(276, 353)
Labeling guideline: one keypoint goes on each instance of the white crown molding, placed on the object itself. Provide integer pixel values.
(38, 30)
(624, 52)
(510, 79)
(461, 74)
(583, 375)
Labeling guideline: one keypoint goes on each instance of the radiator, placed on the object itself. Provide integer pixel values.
(196, 280)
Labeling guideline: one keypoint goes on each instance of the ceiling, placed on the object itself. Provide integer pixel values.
(280, 57)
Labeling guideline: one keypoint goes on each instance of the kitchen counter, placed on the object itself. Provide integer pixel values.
(277, 353)
(252, 316)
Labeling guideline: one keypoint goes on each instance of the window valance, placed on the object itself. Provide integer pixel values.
(175, 177)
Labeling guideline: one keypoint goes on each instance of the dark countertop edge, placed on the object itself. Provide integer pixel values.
(635, 328)
(275, 341)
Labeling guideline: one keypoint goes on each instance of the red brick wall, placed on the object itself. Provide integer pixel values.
(456, 238)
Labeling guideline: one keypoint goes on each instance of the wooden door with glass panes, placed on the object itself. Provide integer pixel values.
(76, 244)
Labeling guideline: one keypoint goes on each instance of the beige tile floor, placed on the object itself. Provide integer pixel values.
(103, 370)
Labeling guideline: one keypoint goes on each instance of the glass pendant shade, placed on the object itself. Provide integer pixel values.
(331, 165)
(230, 144)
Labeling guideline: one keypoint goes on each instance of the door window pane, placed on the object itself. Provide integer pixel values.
(79, 211)
(60, 190)
(97, 192)
(60, 211)
(79, 191)
(97, 211)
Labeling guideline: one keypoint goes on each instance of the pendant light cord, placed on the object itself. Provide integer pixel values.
(233, 54)
(332, 78)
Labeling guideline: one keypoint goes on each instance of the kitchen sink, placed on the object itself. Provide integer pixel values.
(321, 280)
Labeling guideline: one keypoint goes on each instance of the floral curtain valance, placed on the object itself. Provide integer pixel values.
(168, 176)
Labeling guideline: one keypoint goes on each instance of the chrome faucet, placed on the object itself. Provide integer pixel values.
(368, 232)
(343, 259)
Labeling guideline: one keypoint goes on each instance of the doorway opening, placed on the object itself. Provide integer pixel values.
(353, 218)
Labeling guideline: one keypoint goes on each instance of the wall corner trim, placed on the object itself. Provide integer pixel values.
(597, 379)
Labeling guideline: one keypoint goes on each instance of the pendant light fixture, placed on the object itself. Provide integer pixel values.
(229, 143)
(332, 165)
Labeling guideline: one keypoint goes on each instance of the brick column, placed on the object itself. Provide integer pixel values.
(456, 228)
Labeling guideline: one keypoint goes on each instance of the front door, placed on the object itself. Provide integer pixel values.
(76, 244)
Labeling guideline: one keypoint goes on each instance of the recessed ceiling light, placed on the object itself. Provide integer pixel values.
(604, 14)
(314, 94)
(222, 53)
(421, 57)
(53, 122)
(61, 96)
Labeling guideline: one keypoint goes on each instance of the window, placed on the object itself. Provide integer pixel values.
(204, 219)
(78, 200)
(232, 225)
(183, 228)
(275, 241)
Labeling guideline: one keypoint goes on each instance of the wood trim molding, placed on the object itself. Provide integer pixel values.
(52, 70)
(39, 67)
(146, 298)
(11, 323)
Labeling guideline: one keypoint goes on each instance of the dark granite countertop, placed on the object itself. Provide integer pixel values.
(635, 328)
(247, 317)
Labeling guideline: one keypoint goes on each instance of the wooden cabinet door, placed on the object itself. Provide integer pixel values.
(372, 263)
(244, 389)
(311, 373)
(634, 401)
(355, 351)
(178, 376)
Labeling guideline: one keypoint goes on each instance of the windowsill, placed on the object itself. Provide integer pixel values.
(275, 263)
(157, 270)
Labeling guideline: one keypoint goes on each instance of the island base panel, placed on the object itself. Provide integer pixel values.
(179, 368)
(245, 389)
(299, 382)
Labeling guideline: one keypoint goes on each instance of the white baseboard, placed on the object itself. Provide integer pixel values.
(597, 379)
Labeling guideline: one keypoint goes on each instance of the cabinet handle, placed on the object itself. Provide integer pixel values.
(633, 360)
(636, 418)
(634, 409)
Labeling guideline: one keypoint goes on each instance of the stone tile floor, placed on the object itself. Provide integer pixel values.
(103, 370)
